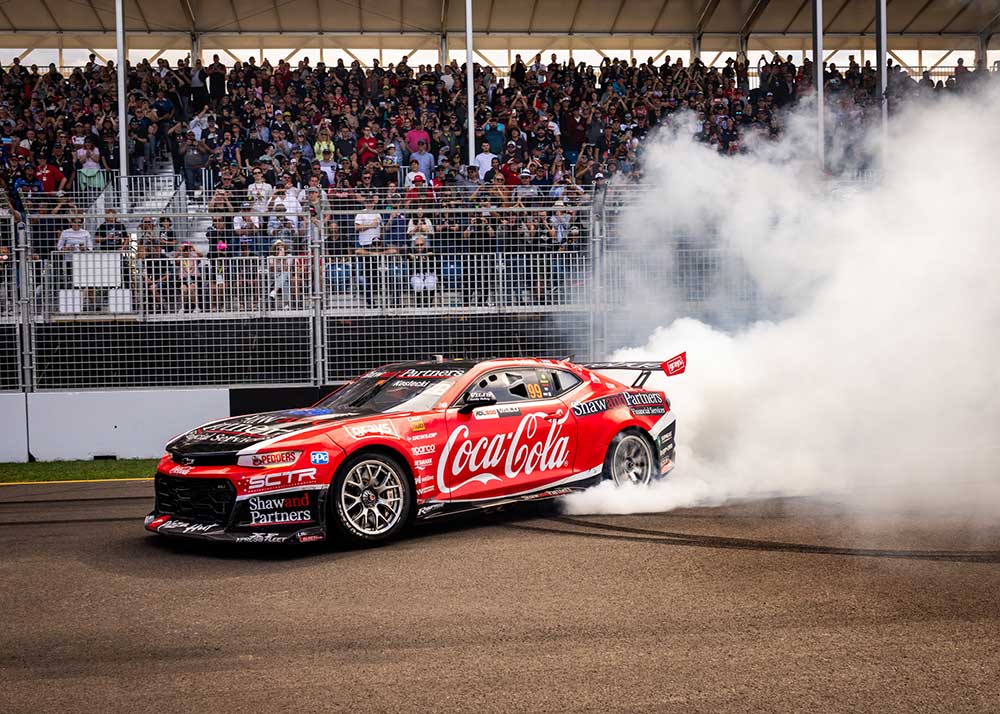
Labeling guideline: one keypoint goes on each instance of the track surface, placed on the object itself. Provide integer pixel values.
(777, 606)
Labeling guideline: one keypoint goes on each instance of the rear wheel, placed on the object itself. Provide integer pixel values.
(630, 458)
(371, 499)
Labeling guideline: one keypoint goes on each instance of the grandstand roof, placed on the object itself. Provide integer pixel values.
(556, 24)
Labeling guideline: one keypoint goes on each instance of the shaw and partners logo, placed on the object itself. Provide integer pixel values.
(529, 448)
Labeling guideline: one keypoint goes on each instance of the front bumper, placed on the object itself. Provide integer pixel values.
(240, 508)
(168, 525)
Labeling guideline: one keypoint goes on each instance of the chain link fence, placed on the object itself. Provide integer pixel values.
(267, 287)
(11, 324)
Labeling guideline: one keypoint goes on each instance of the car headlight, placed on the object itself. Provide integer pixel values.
(267, 459)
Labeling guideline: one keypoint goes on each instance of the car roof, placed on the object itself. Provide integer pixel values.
(488, 363)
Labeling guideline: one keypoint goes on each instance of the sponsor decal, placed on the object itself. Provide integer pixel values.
(281, 480)
(666, 466)
(414, 383)
(262, 538)
(635, 399)
(675, 365)
(274, 458)
(181, 470)
(650, 411)
(319, 458)
(310, 537)
(154, 522)
(508, 410)
(185, 527)
(417, 424)
(424, 449)
(376, 428)
(543, 378)
(535, 445)
(255, 427)
(486, 413)
(275, 511)
(424, 478)
(595, 378)
(424, 490)
(374, 374)
(420, 463)
(552, 493)
(429, 509)
(432, 373)
(421, 437)
(622, 399)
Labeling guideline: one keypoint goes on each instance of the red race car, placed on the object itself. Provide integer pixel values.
(414, 441)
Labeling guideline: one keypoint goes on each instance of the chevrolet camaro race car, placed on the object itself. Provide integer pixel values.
(414, 441)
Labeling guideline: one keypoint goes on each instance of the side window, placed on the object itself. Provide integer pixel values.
(563, 381)
(514, 385)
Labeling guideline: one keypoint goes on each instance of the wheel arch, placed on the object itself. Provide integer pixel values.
(379, 448)
(632, 427)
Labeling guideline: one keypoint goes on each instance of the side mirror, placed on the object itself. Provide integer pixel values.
(472, 400)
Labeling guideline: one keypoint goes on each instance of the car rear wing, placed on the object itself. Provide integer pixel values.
(671, 367)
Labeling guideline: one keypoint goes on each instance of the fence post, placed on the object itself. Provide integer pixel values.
(317, 240)
(598, 305)
(24, 290)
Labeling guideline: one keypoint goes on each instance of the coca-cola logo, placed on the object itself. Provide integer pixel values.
(530, 448)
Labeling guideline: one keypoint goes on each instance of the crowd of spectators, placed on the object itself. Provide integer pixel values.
(375, 161)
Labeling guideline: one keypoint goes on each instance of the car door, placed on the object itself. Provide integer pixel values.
(524, 442)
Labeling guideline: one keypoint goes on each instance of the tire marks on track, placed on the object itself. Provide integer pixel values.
(596, 529)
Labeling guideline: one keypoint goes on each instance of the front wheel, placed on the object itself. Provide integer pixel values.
(630, 459)
(371, 499)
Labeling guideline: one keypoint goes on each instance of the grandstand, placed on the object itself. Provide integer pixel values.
(293, 220)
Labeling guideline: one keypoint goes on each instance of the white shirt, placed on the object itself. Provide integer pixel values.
(484, 160)
(330, 169)
(239, 223)
(259, 194)
(291, 203)
(369, 228)
(70, 239)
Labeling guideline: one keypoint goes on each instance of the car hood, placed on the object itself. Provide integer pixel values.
(226, 437)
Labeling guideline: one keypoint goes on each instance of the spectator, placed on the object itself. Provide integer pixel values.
(50, 175)
(419, 228)
(368, 225)
(280, 265)
(424, 160)
(423, 276)
(75, 238)
(112, 233)
(484, 160)
(187, 265)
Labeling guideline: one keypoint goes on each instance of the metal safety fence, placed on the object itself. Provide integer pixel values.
(313, 287)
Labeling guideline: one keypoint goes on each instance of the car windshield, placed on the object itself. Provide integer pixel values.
(390, 390)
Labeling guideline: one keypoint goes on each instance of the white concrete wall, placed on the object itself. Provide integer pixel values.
(14, 430)
(128, 424)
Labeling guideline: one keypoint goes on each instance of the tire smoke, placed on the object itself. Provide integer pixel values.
(879, 375)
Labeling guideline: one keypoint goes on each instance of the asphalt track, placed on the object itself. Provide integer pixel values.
(776, 606)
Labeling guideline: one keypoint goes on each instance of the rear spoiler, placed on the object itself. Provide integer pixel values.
(671, 367)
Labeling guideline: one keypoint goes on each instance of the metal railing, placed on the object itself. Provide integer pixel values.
(317, 294)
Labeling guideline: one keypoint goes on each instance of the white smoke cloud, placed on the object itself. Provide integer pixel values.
(883, 374)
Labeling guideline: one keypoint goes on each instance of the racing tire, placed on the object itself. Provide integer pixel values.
(631, 458)
(371, 499)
